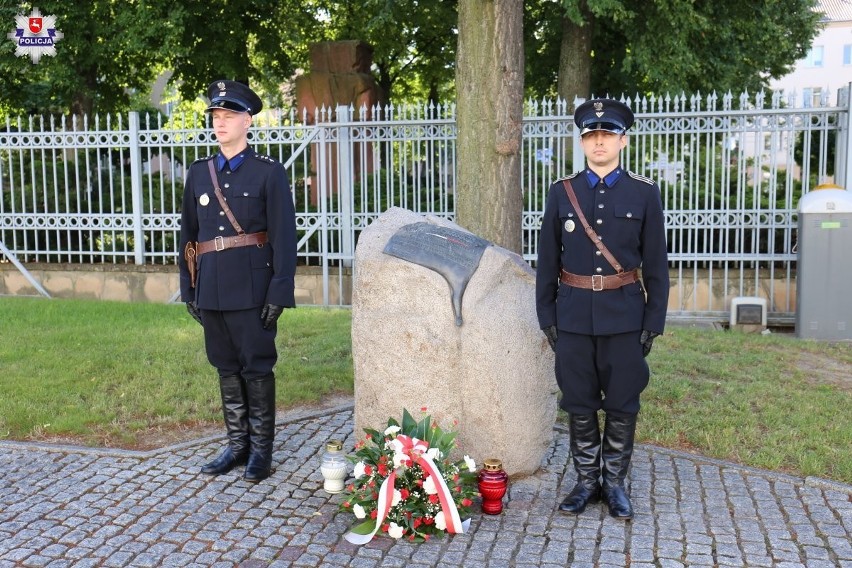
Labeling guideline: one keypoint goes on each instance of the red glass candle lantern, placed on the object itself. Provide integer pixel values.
(493, 482)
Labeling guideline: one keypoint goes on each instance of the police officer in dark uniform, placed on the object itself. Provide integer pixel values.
(598, 314)
(237, 272)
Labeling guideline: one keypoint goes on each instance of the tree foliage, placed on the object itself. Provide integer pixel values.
(108, 52)
(113, 49)
(644, 46)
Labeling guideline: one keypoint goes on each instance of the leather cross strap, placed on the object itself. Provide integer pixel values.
(589, 231)
(221, 198)
(599, 282)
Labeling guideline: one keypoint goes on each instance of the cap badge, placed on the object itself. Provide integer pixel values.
(221, 85)
(599, 109)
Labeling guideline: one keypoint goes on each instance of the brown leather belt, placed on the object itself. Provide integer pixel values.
(599, 282)
(236, 241)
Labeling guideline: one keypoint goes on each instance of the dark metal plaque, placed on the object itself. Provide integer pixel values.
(451, 253)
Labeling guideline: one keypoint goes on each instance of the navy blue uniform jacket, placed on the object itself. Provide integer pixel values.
(629, 218)
(258, 194)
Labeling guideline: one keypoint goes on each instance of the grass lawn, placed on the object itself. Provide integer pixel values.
(136, 376)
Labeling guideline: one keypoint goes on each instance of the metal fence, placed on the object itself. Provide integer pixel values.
(731, 170)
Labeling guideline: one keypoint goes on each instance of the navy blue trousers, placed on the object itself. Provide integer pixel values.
(237, 344)
(605, 372)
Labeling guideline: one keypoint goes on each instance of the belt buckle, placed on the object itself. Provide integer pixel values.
(597, 285)
(219, 243)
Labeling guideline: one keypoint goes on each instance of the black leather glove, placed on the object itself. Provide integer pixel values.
(194, 311)
(270, 315)
(647, 341)
(551, 334)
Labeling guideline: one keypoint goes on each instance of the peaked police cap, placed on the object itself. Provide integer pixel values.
(233, 95)
(609, 115)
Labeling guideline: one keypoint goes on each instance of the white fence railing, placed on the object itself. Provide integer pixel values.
(731, 170)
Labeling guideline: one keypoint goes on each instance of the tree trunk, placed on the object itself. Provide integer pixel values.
(575, 61)
(490, 85)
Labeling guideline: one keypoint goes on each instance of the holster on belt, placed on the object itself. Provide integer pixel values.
(190, 254)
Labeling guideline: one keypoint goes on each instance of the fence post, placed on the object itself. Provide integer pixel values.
(578, 157)
(843, 157)
(136, 189)
(345, 169)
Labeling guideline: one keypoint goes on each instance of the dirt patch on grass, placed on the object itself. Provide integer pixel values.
(823, 370)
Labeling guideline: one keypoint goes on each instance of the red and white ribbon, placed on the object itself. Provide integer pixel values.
(416, 451)
(383, 507)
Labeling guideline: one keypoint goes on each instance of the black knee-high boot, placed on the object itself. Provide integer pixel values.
(619, 432)
(261, 419)
(235, 409)
(586, 454)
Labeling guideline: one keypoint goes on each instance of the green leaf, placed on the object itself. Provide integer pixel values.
(409, 425)
(364, 528)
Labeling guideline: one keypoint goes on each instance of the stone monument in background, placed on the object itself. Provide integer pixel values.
(339, 75)
(450, 326)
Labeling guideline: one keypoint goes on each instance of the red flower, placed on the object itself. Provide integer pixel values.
(385, 527)
(405, 493)
(368, 470)
(347, 504)
(417, 522)
(423, 409)
(369, 436)
(383, 469)
(433, 499)
(426, 536)
(374, 514)
(428, 521)
(466, 502)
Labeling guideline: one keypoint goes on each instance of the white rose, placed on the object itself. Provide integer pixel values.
(359, 470)
(434, 453)
(440, 521)
(391, 430)
(395, 531)
(359, 511)
(471, 465)
(397, 497)
(429, 486)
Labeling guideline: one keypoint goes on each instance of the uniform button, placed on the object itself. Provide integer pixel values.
(629, 215)
(221, 213)
(597, 252)
(570, 214)
(601, 191)
(228, 172)
(221, 228)
(599, 221)
(227, 185)
(245, 194)
(600, 205)
(599, 269)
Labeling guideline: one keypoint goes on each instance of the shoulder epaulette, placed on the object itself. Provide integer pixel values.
(205, 158)
(572, 176)
(647, 180)
(264, 158)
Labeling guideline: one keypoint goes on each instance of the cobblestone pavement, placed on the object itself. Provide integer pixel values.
(66, 506)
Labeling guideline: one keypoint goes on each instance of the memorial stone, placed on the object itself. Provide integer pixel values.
(450, 327)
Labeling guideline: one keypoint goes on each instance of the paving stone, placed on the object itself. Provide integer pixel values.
(63, 507)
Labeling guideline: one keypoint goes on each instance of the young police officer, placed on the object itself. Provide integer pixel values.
(237, 270)
(598, 315)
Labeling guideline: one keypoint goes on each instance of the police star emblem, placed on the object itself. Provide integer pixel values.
(35, 35)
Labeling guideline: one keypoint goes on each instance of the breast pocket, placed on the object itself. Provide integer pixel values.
(247, 202)
(629, 212)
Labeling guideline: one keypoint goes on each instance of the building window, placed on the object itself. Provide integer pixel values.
(812, 97)
(847, 54)
(815, 56)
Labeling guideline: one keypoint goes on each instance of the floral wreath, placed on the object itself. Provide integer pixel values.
(405, 484)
